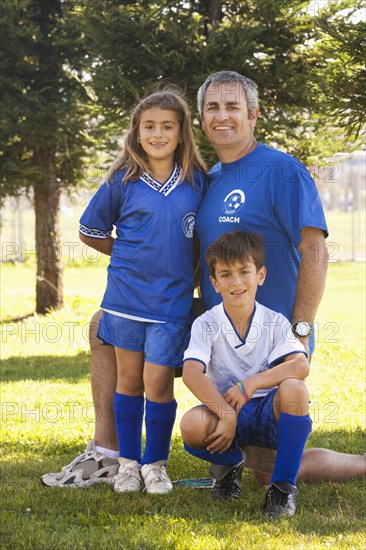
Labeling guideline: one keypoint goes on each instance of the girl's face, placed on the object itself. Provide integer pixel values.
(159, 132)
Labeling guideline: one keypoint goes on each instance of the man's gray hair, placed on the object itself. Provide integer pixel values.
(249, 87)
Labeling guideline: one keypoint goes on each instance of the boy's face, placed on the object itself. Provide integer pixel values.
(238, 282)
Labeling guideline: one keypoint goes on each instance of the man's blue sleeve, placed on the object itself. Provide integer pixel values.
(297, 202)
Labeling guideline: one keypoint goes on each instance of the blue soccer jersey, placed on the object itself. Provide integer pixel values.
(150, 274)
(273, 194)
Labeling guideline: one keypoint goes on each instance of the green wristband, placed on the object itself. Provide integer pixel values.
(242, 389)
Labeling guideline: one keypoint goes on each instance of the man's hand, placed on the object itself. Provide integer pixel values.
(220, 440)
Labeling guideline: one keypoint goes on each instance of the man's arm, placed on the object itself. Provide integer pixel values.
(202, 387)
(102, 245)
(311, 277)
(295, 365)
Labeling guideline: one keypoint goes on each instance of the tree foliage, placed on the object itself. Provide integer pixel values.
(43, 120)
(72, 70)
(341, 76)
(140, 44)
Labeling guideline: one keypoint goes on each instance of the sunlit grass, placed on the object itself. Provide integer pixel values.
(47, 418)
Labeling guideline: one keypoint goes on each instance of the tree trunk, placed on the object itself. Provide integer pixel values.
(214, 10)
(49, 284)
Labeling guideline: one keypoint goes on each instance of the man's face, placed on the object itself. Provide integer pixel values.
(226, 122)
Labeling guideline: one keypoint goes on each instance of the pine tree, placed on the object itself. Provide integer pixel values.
(43, 118)
(141, 44)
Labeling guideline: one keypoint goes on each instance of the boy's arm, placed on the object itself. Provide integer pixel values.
(295, 365)
(102, 245)
(202, 387)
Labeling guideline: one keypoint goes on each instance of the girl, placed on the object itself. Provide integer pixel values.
(151, 197)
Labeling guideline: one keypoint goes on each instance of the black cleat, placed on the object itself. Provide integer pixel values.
(227, 480)
(280, 500)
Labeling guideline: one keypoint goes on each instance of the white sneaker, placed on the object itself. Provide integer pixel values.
(128, 478)
(156, 479)
(88, 468)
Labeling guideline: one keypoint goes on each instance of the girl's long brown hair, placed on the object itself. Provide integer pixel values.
(133, 158)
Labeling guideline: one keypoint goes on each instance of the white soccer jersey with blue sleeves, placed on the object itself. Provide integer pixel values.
(150, 274)
(228, 359)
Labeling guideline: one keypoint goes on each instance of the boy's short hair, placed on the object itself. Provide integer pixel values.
(235, 246)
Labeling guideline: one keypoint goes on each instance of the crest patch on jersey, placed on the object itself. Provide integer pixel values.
(264, 365)
(233, 202)
(188, 224)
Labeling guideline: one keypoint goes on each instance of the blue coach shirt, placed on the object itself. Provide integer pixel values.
(273, 194)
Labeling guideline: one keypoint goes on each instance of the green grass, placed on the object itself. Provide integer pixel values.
(346, 241)
(47, 419)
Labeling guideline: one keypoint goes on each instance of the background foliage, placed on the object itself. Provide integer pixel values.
(72, 70)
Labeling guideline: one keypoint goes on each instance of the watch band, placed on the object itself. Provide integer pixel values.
(302, 329)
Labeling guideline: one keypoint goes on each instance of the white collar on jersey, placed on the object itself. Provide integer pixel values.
(253, 333)
(166, 187)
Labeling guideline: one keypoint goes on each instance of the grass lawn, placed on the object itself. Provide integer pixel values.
(47, 419)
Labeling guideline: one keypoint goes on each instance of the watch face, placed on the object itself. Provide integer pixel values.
(302, 329)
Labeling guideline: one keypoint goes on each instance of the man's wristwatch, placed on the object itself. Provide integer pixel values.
(302, 329)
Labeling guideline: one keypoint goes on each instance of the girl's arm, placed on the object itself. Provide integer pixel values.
(102, 245)
(293, 366)
(196, 262)
(202, 387)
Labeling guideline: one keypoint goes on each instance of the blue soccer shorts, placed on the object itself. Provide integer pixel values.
(257, 424)
(162, 343)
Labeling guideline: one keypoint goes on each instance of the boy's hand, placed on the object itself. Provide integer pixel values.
(235, 397)
(220, 440)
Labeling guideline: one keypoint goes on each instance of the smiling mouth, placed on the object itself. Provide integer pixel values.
(238, 292)
(222, 128)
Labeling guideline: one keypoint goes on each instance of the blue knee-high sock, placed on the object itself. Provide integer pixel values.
(234, 455)
(128, 415)
(159, 421)
(292, 434)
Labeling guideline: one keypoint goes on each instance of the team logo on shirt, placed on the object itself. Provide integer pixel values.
(233, 202)
(188, 224)
(264, 365)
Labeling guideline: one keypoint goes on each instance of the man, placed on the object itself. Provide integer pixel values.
(253, 188)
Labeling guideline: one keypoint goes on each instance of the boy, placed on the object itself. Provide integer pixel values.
(254, 392)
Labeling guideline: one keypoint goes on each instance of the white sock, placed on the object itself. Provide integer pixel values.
(107, 452)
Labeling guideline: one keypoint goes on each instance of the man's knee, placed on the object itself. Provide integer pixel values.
(93, 329)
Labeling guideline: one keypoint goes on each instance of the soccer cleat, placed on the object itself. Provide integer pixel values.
(156, 479)
(88, 468)
(227, 480)
(128, 478)
(280, 500)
